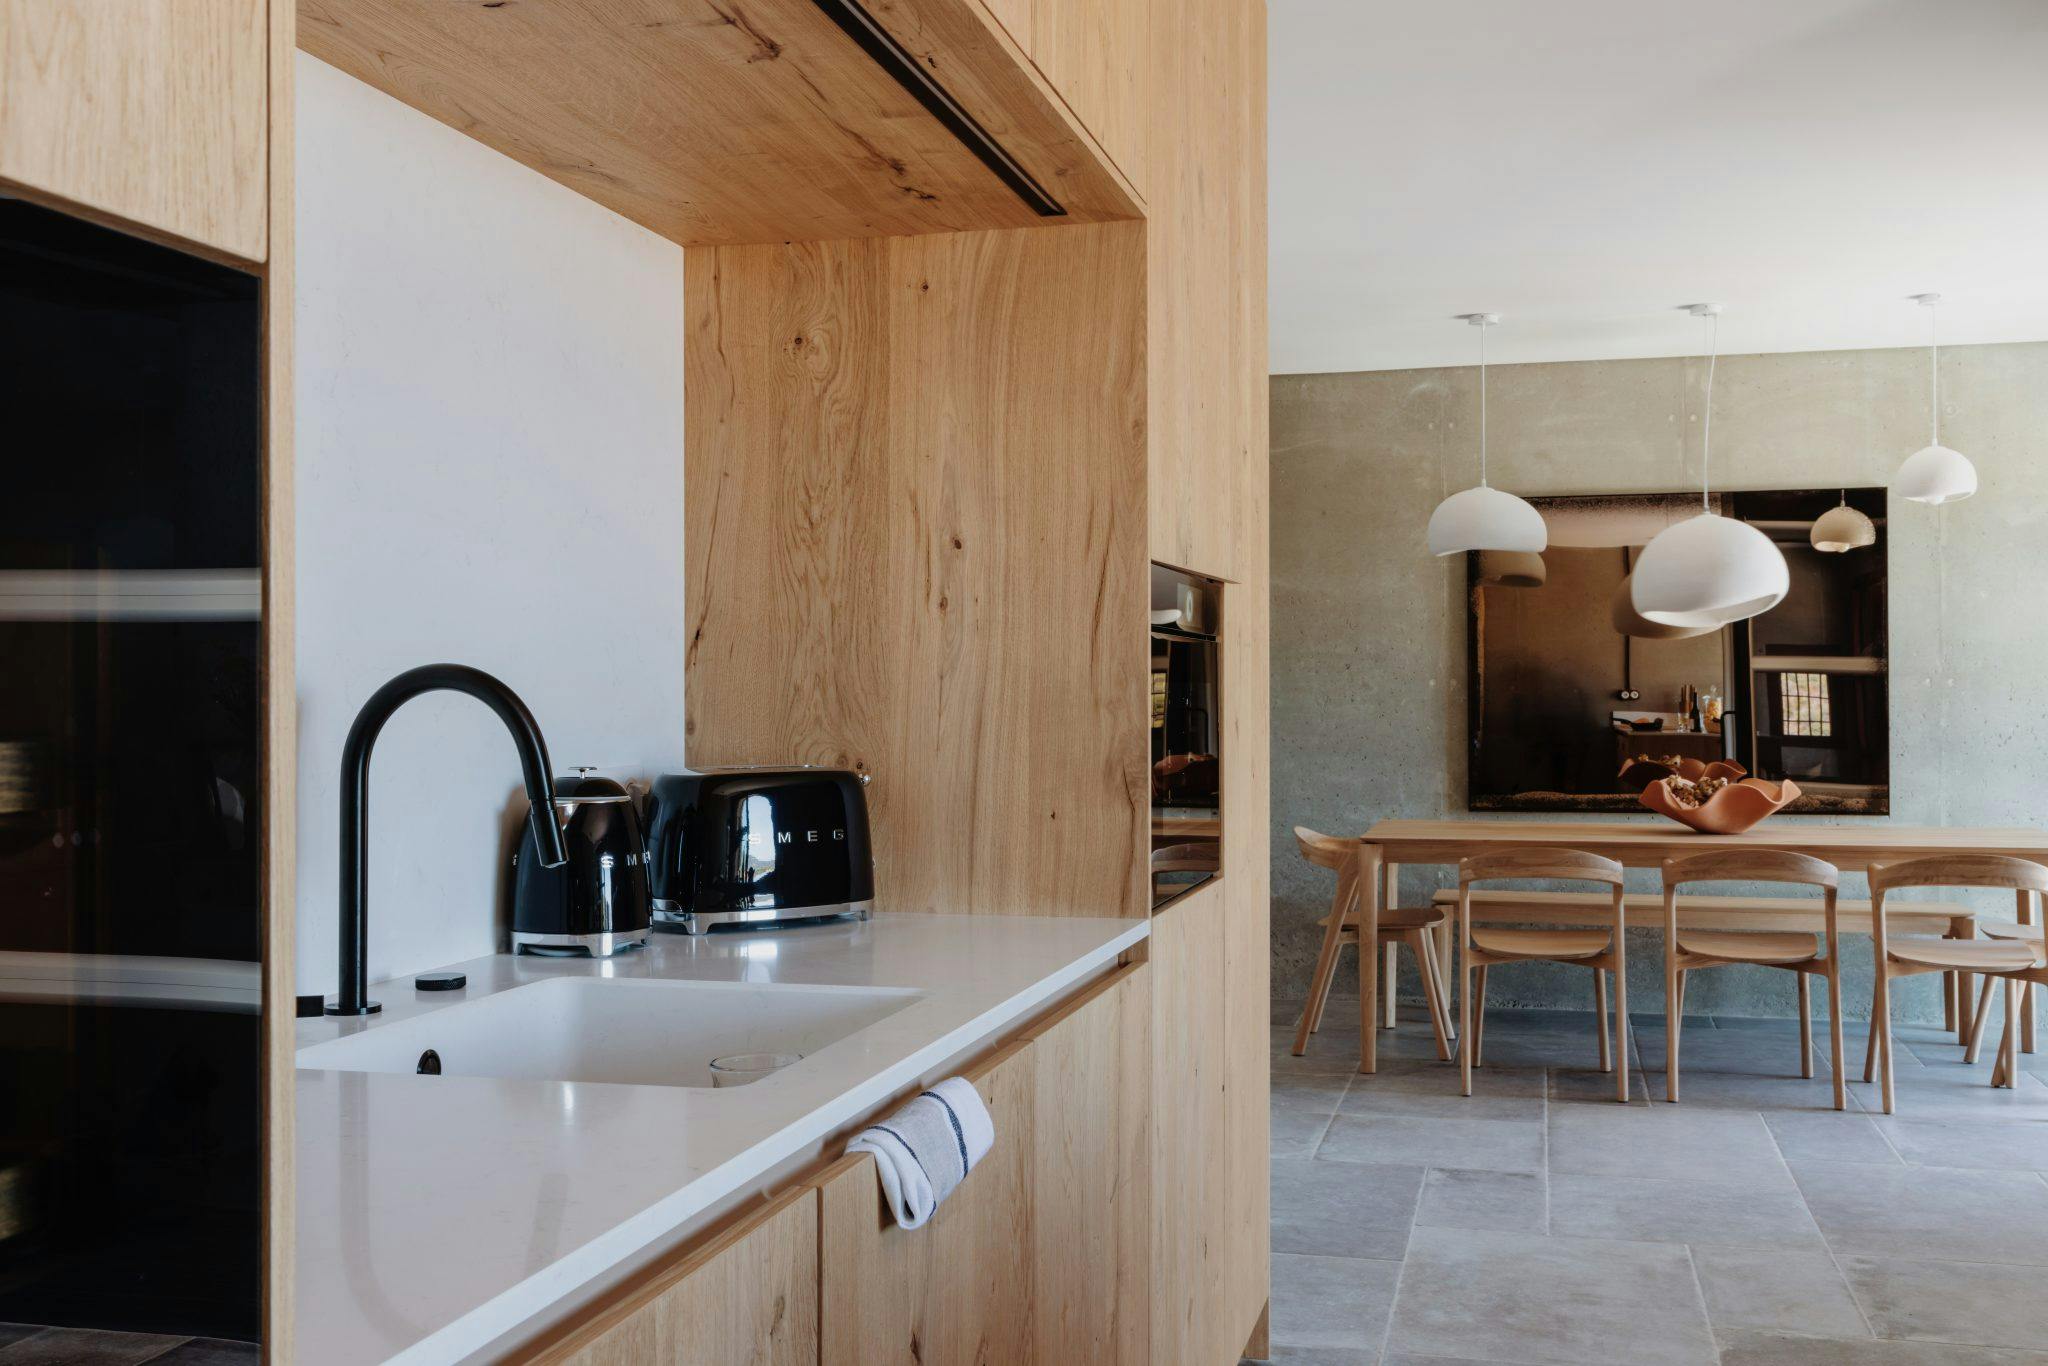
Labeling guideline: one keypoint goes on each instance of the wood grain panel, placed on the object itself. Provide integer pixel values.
(714, 123)
(750, 1295)
(912, 485)
(1098, 55)
(1091, 1176)
(1042, 1257)
(1207, 501)
(956, 1290)
(144, 116)
(280, 704)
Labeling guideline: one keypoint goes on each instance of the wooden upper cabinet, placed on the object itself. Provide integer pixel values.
(1042, 1254)
(1096, 54)
(146, 114)
(748, 1295)
(718, 124)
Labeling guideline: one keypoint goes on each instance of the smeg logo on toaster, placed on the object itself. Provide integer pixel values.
(810, 836)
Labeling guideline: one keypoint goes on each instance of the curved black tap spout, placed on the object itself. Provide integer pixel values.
(353, 997)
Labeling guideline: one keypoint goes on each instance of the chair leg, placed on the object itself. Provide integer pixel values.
(1805, 1024)
(1465, 1024)
(1432, 990)
(1390, 979)
(1672, 1007)
(1870, 1049)
(1600, 1017)
(1479, 1018)
(1446, 958)
(1835, 1030)
(1975, 1037)
(1326, 964)
(2026, 1017)
(2009, 1046)
(1949, 1023)
(1621, 1022)
(1883, 1006)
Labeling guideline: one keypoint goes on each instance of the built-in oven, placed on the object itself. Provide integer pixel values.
(1187, 765)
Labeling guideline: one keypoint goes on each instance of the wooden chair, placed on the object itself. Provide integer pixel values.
(1602, 949)
(1410, 926)
(1687, 951)
(1201, 856)
(2025, 931)
(2016, 961)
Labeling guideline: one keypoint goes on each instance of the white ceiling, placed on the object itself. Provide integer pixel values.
(1585, 167)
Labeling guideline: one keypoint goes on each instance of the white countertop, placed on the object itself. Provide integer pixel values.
(438, 1214)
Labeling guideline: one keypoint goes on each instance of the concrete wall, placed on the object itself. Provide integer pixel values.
(490, 471)
(1369, 631)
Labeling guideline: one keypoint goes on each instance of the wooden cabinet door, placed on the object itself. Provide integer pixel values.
(748, 1297)
(1042, 1254)
(147, 112)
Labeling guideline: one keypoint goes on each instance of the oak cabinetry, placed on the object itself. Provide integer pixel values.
(1041, 1256)
(146, 116)
(1095, 54)
(748, 1295)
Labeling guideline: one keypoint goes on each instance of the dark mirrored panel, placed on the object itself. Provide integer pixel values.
(130, 785)
(1576, 702)
(1186, 718)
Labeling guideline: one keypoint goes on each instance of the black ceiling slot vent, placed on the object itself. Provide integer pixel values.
(893, 58)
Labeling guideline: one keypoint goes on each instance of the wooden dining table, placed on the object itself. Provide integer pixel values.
(1642, 843)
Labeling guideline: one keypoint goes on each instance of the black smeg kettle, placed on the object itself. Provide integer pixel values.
(597, 902)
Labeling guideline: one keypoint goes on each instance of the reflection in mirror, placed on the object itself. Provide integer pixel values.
(1187, 774)
(1577, 704)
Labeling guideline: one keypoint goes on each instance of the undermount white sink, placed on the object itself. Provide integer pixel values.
(635, 1031)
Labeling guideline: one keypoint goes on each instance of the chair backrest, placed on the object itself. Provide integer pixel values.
(1200, 857)
(1571, 865)
(1751, 865)
(1324, 851)
(1960, 870)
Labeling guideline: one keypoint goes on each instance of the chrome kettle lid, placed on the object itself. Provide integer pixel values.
(587, 787)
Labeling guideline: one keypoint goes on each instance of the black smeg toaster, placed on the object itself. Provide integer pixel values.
(758, 847)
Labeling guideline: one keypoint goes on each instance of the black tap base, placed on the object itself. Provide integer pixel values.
(367, 1008)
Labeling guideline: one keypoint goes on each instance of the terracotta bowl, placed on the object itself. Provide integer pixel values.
(1636, 772)
(1732, 810)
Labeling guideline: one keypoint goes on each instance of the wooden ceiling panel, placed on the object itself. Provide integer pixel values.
(717, 122)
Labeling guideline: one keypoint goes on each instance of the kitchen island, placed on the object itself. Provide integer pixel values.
(448, 1217)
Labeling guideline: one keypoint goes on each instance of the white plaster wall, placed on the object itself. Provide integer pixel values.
(490, 472)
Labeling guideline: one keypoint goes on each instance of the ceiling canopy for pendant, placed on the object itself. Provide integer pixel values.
(1841, 529)
(1934, 473)
(1484, 518)
(1711, 570)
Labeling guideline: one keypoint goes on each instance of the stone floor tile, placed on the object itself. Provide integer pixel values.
(1343, 1209)
(1310, 1093)
(1788, 1349)
(1506, 1202)
(1297, 1133)
(1521, 1297)
(210, 1352)
(86, 1347)
(1954, 1302)
(1830, 1137)
(1757, 1290)
(2007, 1144)
(1331, 1301)
(1415, 1140)
(1633, 1209)
(1934, 1213)
(1668, 1142)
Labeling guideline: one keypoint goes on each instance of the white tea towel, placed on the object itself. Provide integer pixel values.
(927, 1148)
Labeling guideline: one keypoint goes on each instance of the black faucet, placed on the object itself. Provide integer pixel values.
(353, 997)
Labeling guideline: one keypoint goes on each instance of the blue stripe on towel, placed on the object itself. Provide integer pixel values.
(883, 1128)
(959, 1137)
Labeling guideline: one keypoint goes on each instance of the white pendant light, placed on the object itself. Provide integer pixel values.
(1710, 570)
(1934, 474)
(1841, 529)
(1484, 518)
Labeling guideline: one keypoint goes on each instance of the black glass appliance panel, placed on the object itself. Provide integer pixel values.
(130, 784)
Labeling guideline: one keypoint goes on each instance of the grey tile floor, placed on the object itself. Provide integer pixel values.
(1540, 1222)
(27, 1344)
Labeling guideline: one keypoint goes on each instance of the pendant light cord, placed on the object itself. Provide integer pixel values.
(1933, 375)
(1482, 405)
(1707, 424)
